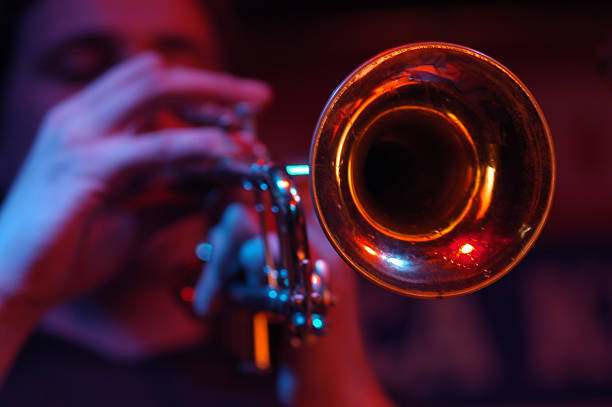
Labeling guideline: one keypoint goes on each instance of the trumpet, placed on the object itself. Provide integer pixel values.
(432, 173)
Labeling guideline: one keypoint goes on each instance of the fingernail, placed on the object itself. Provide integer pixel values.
(204, 251)
(201, 304)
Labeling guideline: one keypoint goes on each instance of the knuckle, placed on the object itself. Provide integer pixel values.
(234, 211)
(160, 81)
(154, 82)
(216, 232)
(61, 128)
(55, 117)
(64, 163)
(56, 136)
(166, 146)
(68, 133)
(154, 61)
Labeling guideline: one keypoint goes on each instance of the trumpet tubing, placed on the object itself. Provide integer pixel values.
(431, 171)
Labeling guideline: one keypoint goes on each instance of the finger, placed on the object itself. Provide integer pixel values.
(111, 82)
(236, 227)
(168, 86)
(252, 261)
(216, 86)
(116, 154)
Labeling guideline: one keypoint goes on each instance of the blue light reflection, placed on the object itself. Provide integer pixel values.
(298, 169)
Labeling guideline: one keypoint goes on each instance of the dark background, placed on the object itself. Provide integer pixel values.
(542, 336)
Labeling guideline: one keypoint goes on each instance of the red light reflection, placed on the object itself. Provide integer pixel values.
(187, 293)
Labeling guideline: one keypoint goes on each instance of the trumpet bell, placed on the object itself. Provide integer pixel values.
(432, 170)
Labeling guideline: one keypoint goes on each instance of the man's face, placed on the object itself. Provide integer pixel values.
(65, 44)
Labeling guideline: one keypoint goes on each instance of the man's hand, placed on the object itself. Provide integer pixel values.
(59, 237)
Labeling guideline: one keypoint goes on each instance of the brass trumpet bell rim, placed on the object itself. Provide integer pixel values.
(505, 191)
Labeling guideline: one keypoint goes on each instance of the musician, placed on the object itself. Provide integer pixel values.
(91, 239)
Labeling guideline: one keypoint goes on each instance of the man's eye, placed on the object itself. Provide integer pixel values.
(78, 65)
(182, 51)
